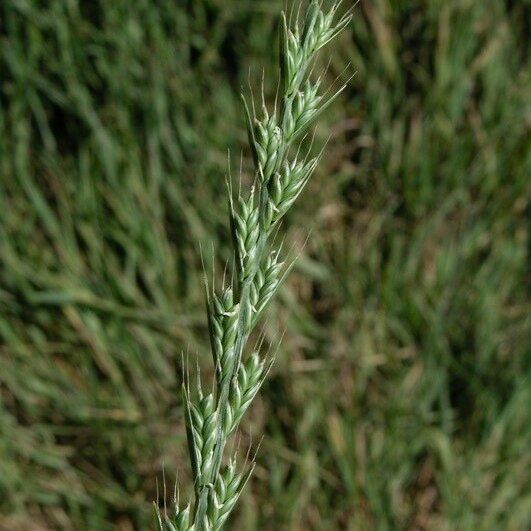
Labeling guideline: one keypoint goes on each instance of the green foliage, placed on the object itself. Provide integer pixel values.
(399, 396)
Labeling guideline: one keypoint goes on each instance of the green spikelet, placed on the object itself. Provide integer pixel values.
(233, 313)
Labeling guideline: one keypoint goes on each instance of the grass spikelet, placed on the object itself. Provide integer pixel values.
(235, 310)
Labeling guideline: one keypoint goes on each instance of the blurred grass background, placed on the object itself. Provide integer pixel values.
(400, 395)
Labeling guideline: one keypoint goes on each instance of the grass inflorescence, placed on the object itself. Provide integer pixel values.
(233, 310)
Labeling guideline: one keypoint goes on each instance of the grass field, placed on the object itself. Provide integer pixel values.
(400, 394)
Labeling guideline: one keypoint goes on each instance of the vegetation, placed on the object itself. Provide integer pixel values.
(280, 175)
(399, 395)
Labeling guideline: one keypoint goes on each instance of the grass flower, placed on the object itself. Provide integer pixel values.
(280, 177)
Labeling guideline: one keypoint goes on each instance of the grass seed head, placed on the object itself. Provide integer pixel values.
(280, 178)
